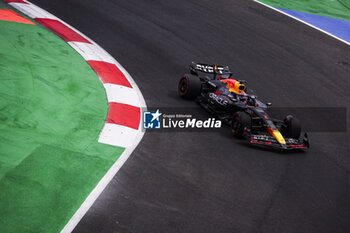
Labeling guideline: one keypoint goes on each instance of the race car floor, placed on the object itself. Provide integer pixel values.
(211, 182)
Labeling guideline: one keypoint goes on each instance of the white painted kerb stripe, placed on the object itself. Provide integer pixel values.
(33, 11)
(121, 94)
(91, 52)
(118, 135)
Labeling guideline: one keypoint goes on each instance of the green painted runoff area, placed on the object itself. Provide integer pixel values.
(52, 109)
(339, 9)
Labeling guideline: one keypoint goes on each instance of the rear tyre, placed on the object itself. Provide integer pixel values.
(292, 127)
(240, 120)
(189, 87)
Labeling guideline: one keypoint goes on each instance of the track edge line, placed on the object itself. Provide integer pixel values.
(302, 21)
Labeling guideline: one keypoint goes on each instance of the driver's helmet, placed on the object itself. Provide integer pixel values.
(241, 87)
(235, 86)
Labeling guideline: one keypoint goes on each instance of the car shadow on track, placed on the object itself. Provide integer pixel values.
(226, 133)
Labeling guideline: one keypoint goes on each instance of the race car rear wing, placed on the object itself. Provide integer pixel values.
(209, 69)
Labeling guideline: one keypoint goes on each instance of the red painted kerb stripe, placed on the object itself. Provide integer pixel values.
(15, 1)
(124, 114)
(109, 73)
(62, 30)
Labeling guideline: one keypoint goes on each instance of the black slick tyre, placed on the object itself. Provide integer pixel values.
(240, 120)
(292, 127)
(189, 87)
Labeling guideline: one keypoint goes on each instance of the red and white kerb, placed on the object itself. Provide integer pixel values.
(123, 124)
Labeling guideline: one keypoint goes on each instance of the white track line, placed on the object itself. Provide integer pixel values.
(310, 25)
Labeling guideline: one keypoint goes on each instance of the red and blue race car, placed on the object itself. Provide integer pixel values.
(213, 88)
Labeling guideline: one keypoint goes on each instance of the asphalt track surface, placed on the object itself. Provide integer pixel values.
(210, 182)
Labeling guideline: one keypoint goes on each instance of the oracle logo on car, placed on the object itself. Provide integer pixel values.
(218, 99)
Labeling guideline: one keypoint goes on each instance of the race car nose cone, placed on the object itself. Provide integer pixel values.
(278, 137)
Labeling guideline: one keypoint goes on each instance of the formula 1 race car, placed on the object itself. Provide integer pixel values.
(213, 88)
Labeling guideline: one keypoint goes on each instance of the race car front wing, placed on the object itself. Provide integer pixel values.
(266, 140)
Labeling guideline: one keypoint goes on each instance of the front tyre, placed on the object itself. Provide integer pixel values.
(189, 87)
(240, 120)
(292, 127)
